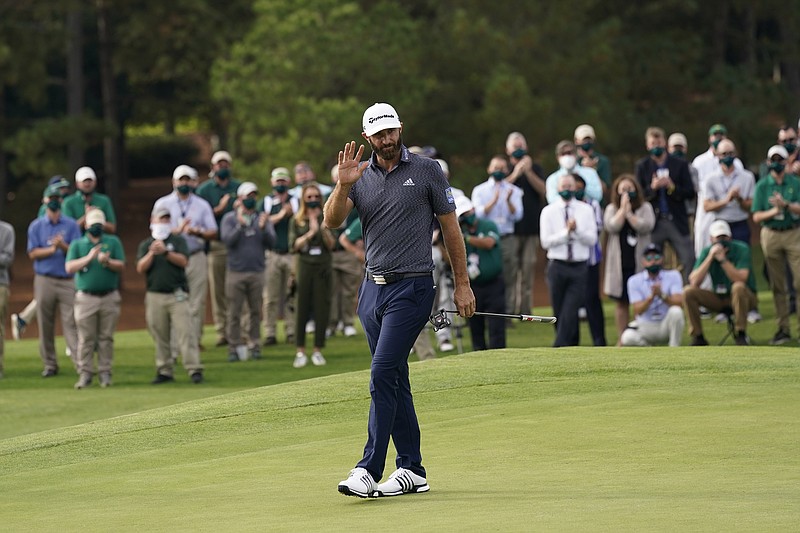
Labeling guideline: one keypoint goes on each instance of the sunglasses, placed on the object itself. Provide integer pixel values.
(652, 257)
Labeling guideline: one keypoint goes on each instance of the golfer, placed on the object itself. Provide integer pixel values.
(397, 194)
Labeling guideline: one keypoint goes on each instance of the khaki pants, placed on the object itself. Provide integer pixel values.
(509, 247)
(277, 276)
(347, 275)
(54, 294)
(741, 300)
(3, 312)
(778, 247)
(527, 246)
(196, 276)
(217, 265)
(668, 330)
(96, 317)
(241, 287)
(163, 312)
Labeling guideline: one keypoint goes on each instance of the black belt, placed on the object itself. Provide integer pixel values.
(385, 279)
(281, 252)
(98, 293)
(783, 229)
(568, 263)
(55, 277)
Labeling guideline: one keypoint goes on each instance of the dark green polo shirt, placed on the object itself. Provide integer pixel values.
(163, 276)
(789, 190)
(739, 255)
(212, 192)
(95, 277)
(490, 262)
(75, 207)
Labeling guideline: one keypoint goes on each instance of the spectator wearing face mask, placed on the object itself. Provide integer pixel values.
(588, 157)
(568, 163)
(787, 137)
(628, 220)
(96, 259)
(85, 197)
(501, 202)
(677, 146)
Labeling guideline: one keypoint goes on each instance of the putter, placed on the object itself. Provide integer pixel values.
(440, 320)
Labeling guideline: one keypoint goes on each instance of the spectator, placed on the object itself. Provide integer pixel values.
(629, 220)
(730, 266)
(485, 269)
(728, 194)
(568, 233)
(501, 202)
(568, 164)
(787, 137)
(191, 216)
(78, 204)
(247, 234)
(667, 184)
(526, 175)
(96, 260)
(162, 258)
(677, 145)
(592, 303)
(220, 192)
(776, 206)
(657, 298)
(304, 174)
(279, 274)
(49, 238)
(6, 259)
(588, 157)
(313, 242)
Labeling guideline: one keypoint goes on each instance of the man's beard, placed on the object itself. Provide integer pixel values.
(387, 153)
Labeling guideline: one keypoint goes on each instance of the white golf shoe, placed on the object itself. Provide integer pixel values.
(359, 483)
(403, 481)
(300, 360)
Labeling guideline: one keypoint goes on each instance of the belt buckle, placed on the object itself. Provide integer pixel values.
(379, 279)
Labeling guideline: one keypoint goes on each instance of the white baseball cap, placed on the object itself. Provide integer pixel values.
(718, 228)
(444, 165)
(95, 216)
(778, 149)
(85, 173)
(246, 188)
(678, 139)
(220, 156)
(184, 170)
(463, 204)
(379, 117)
(583, 131)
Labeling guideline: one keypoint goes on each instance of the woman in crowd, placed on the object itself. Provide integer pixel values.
(629, 220)
(312, 242)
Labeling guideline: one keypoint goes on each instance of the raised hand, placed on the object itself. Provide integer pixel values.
(350, 166)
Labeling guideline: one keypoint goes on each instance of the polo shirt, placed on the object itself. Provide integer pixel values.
(196, 209)
(40, 233)
(789, 190)
(272, 205)
(397, 211)
(488, 262)
(640, 287)
(95, 277)
(212, 192)
(594, 189)
(163, 276)
(739, 255)
(716, 188)
(74, 205)
(500, 214)
(353, 232)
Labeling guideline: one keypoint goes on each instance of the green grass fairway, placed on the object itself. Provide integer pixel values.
(515, 440)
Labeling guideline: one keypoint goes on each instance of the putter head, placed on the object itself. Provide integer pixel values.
(439, 320)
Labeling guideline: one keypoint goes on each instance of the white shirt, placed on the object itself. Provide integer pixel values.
(555, 238)
(707, 164)
(500, 214)
(594, 189)
(194, 208)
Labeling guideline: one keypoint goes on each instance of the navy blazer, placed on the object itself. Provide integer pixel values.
(676, 200)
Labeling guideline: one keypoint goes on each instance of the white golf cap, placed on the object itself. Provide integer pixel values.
(583, 131)
(678, 139)
(280, 173)
(184, 170)
(463, 204)
(95, 216)
(220, 156)
(246, 188)
(85, 173)
(379, 117)
(778, 149)
(445, 166)
(718, 228)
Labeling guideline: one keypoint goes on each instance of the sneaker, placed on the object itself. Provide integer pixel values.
(781, 337)
(742, 339)
(704, 313)
(699, 341)
(105, 379)
(403, 481)
(300, 360)
(49, 372)
(241, 352)
(84, 381)
(162, 378)
(255, 353)
(17, 326)
(721, 318)
(233, 357)
(446, 346)
(311, 327)
(359, 483)
(350, 331)
(317, 359)
(753, 316)
(197, 377)
(269, 341)
(582, 313)
(329, 333)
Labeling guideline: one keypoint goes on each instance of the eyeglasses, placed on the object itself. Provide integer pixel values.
(652, 257)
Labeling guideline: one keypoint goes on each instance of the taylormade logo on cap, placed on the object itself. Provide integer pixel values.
(379, 117)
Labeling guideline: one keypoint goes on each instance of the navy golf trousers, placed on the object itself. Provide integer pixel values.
(392, 316)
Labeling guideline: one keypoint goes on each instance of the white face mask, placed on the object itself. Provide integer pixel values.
(160, 231)
(567, 162)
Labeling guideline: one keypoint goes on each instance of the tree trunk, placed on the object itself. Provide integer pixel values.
(791, 62)
(718, 36)
(75, 85)
(111, 151)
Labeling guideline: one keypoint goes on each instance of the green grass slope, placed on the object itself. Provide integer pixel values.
(514, 440)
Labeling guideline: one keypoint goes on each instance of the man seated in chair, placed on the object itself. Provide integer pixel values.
(657, 296)
(733, 285)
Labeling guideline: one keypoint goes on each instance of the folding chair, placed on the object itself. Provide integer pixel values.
(728, 312)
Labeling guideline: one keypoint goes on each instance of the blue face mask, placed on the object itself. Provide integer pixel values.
(468, 220)
(580, 194)
(184, 189)
(727, 160)
(223, 174)
(249, 203)
(657, 151)
(497, 175)
(280, 189)
(519, 153)
(54, 204)
(313, 205)
(654, 269)
(566, 195)
(95, 230)
(586, 147)
(777, 167)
